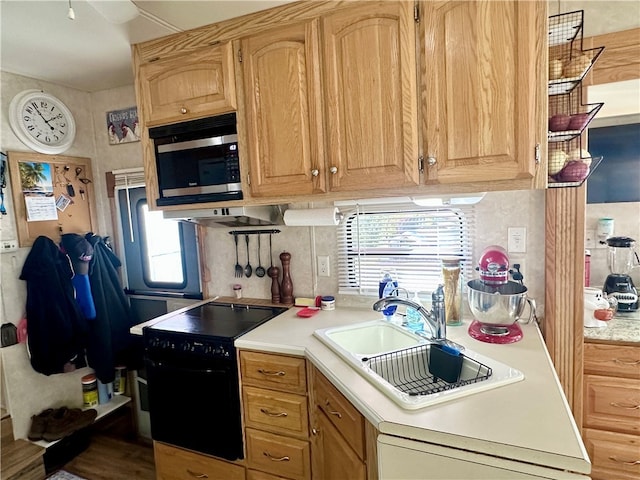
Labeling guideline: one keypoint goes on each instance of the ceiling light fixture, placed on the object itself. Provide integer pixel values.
(71, 15)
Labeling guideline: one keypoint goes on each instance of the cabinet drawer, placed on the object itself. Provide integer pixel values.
(613, 455)
(342, 414)
(278, 455)
(273, 371)
(258, 475)
(613, 360)
(277, 412)
(177, 464)
(612, 404)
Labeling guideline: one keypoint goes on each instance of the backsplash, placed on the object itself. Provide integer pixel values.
(496, 212)
(626, 218)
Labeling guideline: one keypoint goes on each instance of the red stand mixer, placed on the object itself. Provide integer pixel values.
(496, 302)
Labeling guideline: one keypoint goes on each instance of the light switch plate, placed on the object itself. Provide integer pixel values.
(517, 240)
(8, 246)
(590, 239)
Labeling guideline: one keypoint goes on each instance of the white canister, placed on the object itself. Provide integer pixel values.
(328, 303)
(593, 300)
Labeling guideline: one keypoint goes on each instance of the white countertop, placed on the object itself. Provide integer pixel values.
(528, 421)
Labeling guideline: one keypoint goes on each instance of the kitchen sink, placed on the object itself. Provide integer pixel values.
(397, 362)
(372, 338)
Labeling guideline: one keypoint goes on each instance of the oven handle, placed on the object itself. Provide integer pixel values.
(165, 366)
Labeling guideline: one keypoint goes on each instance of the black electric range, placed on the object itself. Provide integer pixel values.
(192, 376)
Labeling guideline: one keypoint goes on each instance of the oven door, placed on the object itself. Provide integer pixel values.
(195, 404)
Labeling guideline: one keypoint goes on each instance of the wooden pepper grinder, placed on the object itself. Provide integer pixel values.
(274, 273)
(286, 289)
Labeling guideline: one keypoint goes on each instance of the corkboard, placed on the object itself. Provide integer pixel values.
(45, 179)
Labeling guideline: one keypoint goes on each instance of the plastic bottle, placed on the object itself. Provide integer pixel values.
(414, 319)
(386, 286)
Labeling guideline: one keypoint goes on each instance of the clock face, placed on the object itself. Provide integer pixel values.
(42, 122)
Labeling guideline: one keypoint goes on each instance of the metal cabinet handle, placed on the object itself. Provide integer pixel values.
(333, 170)
(271, 414)
(271, 372)
(627, 406)
(315, 172)
(332, 412)
(431, 161)
(632, 462)
(197, 475)
(183, 110)
(276, 459)
(626, 362)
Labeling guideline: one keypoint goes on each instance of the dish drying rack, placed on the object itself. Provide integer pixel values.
(408, 371)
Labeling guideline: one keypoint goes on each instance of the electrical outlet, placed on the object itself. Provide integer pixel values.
(590, 239)
(323, 265)
(517, 240)
(8, 246)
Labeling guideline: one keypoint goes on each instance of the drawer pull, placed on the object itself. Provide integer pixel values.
(271, 414)
(626, 362)
(271, 372)
(197, 475)
(276, 459)
(635, 462)
(627, 406)
(332, 412)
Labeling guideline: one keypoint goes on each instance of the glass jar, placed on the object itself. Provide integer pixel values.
(452, 281)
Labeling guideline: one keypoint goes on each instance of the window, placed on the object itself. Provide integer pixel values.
(409, 241)
(160, 256)
(162, 250)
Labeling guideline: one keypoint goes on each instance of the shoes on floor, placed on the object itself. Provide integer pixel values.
(38, 424)
(54, 424)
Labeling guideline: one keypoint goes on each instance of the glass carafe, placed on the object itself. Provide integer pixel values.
(622, 255)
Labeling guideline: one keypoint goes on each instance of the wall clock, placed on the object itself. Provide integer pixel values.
(42, 122)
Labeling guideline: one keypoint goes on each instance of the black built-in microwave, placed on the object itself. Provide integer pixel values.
(197, 161)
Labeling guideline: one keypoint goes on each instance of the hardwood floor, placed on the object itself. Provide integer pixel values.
(114, 453)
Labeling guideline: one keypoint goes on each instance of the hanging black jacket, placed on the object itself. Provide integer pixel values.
(109, 343)
(56, 328)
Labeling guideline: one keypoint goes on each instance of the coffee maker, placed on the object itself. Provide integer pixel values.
(622, 259)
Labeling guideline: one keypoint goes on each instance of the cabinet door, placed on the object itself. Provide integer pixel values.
(188, 86)
(281, 93)
(370, 97)
(482, 86)
(332, 457)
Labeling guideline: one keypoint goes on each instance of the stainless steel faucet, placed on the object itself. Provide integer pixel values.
(436, 318)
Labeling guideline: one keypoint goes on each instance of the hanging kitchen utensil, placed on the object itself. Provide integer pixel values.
(248, 270)
(260, 271)
(238, 267)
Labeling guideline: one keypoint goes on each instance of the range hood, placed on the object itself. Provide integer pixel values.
(230, 216)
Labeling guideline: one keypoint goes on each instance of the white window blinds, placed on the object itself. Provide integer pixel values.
(407, 240)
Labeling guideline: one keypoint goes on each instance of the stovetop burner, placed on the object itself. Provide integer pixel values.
(219, 320)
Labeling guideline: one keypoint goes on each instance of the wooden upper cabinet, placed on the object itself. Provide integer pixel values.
(483, 90)
(188, 86)
(282, 105)
(370, 96)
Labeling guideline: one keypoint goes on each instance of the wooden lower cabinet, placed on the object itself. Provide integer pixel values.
(613, 455)
(332, 455)
(612, 410)
(174, 463)
(278, 455)
(343, 443)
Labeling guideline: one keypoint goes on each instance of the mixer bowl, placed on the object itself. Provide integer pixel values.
(498, 304)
